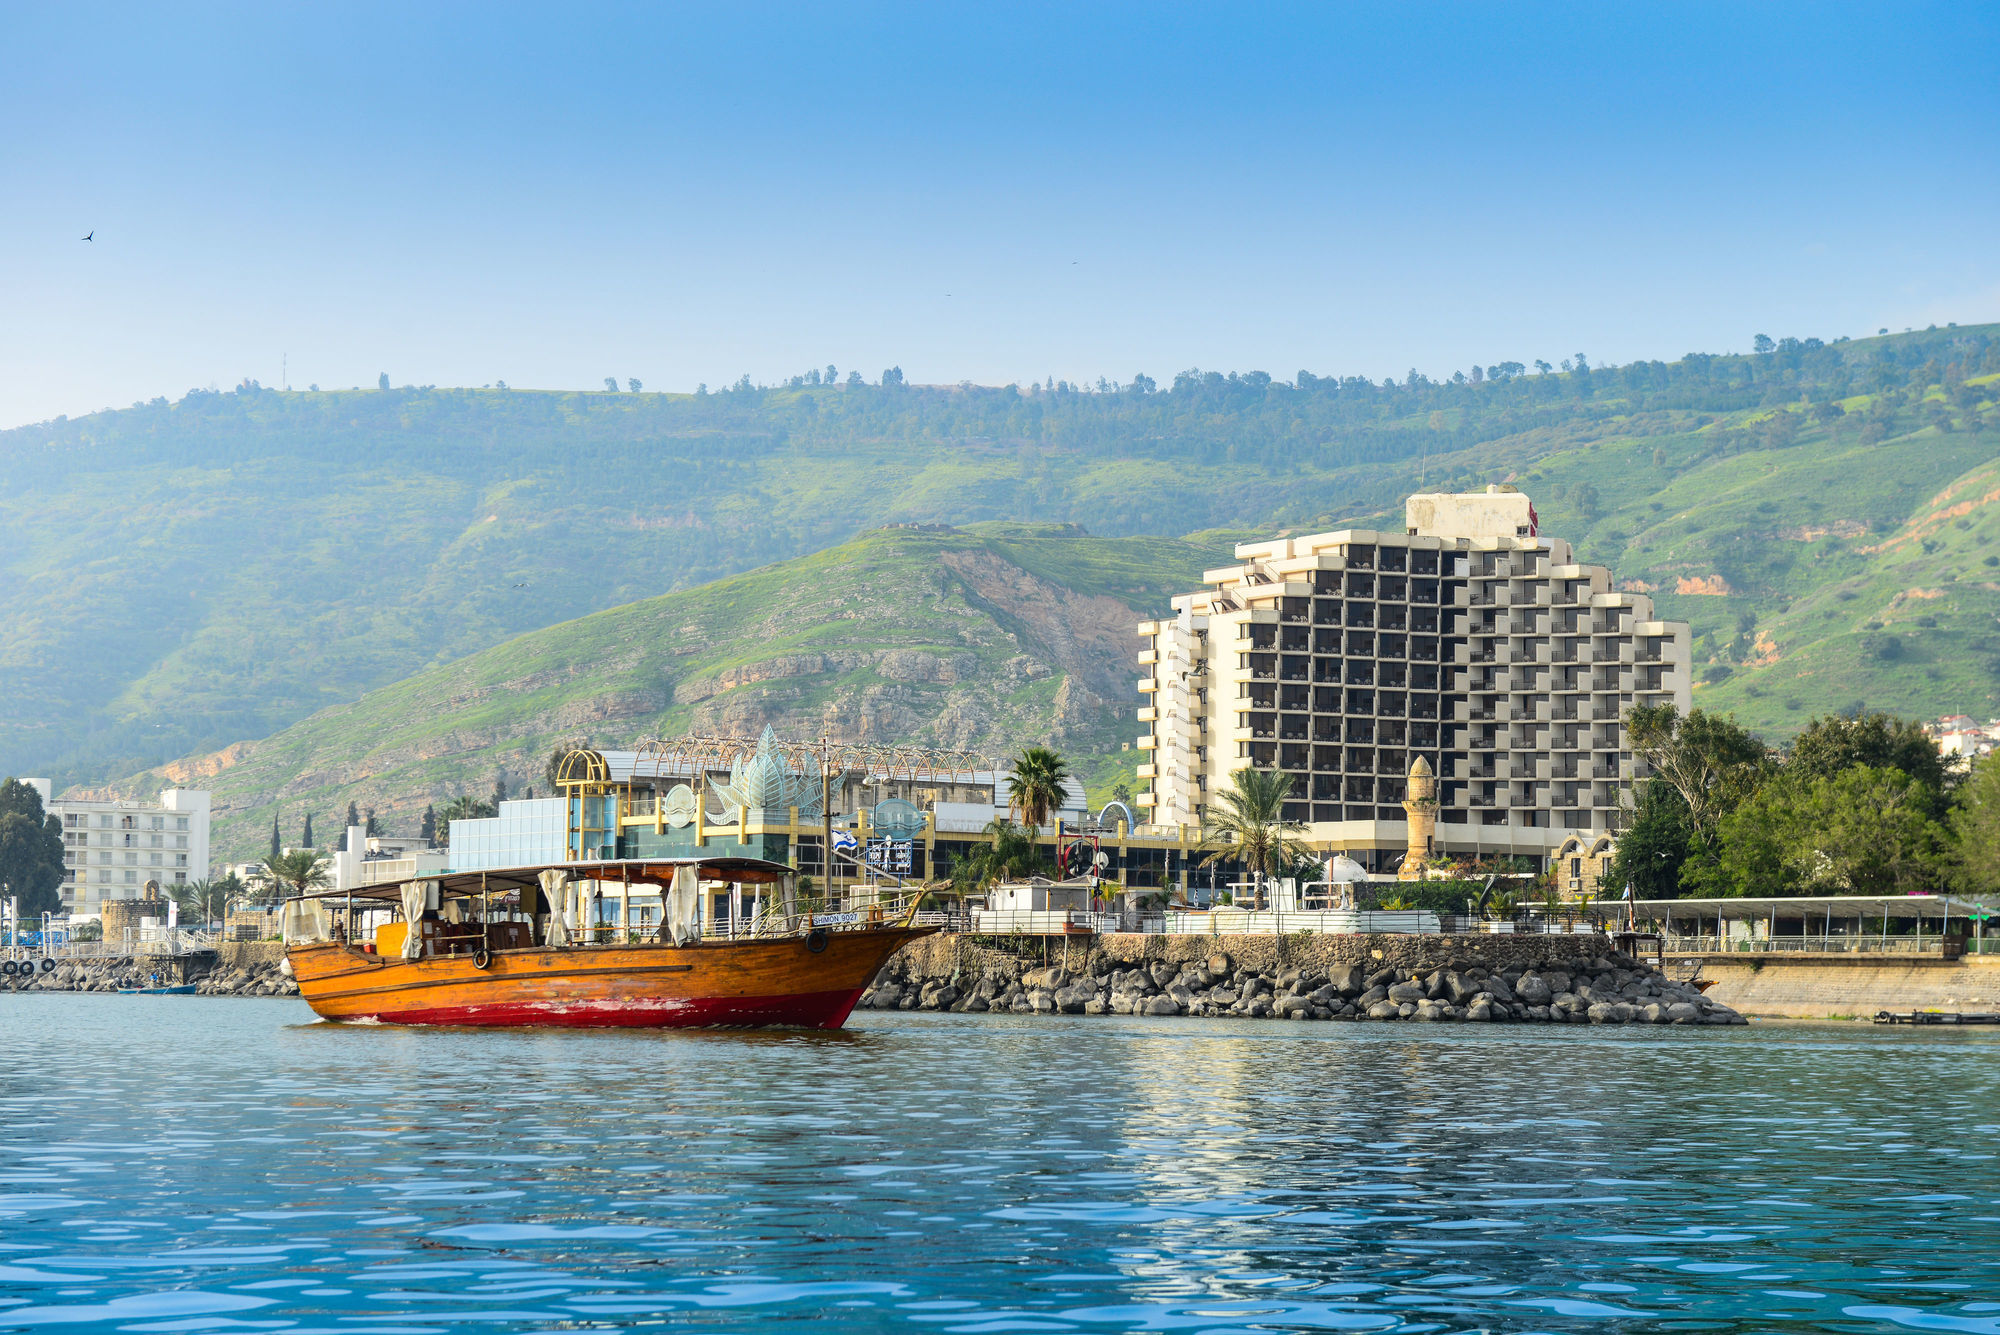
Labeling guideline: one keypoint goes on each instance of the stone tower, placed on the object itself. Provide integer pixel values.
(1422, 809)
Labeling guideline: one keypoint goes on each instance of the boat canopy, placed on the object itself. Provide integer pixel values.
(657, 872)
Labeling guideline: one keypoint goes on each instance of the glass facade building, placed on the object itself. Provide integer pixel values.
(525, 833)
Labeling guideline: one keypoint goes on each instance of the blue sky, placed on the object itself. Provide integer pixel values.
(458, 194)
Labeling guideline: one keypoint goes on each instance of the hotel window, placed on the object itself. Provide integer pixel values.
(159, 841)
(180, 822)
(180, 841)
(159, 822)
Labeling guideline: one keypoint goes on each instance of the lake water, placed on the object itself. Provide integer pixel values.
(192, 1164)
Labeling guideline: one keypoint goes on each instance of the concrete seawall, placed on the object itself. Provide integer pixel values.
(1829, 988)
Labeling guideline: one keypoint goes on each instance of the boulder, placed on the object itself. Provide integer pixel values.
(1162, 1006)
(1220, 965)
(1291, 1007)
(1403, 992)
(1049, 978)
(1072, 999)
(1371, 996)
(1385, 1010)
(1460, 988)
(1432, 1010)
(1534, 990)
(1349, 979)
(1481, 1009)
(973, 1003)
(1603, 1012)
(1163, 973)
(1097, 1006)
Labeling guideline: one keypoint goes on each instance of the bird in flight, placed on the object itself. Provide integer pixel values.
(92, 236)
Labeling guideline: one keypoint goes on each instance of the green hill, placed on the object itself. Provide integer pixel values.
(176, 577)
(985, 639)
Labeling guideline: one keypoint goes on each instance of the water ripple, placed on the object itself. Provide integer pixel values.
(986, 1174)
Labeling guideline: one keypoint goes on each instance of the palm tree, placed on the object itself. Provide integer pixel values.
(199, 901)
(1036, 786)
(291, 874)
(1011, 855)
(461, 808)
(1247, 823)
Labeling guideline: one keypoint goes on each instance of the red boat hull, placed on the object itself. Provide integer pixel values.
(811, 1010)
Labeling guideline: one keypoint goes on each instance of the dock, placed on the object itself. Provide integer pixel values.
(1937, 1017)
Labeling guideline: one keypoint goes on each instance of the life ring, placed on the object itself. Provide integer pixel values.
(816, 940)
(48, 965)
(482, 958)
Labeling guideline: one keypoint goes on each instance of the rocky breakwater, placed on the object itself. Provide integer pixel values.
(119, 975)
(1605, 989)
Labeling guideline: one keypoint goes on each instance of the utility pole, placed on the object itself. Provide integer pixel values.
(826, 813)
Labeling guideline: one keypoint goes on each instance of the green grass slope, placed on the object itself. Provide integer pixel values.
(178, 577)
(986, 638)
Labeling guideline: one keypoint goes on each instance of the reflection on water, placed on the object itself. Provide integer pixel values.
(187, 1164)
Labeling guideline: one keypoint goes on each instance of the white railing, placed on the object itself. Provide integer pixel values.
(1220, 922)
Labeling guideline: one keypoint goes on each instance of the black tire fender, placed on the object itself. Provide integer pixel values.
(48, 965)
(8, 968)
(816, 940)
(482, 958)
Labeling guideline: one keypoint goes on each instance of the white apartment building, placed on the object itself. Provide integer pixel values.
(1468, 639)
(111, 849)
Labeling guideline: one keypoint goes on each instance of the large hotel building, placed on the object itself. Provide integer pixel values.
(1468, 639)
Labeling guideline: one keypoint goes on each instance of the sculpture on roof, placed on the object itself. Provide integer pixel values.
(767, 786)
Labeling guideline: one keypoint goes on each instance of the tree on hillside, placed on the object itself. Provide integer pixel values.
(31, 850)
(429, 830)
(289, 875)
(611, 384)
(1762, 344)
(633, 385)
(499, 790)
(1836, 742)
(369, 825)
(306, 835)
(1246, 823)
(382, 381)
(1711, 761)
(277, 843)
(1035, 788)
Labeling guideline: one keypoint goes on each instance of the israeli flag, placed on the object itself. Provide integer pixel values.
(844, 842)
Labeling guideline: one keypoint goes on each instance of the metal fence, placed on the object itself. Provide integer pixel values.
(1806, 945)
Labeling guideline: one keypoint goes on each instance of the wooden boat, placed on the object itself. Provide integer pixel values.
(504, 964)
(170, 990)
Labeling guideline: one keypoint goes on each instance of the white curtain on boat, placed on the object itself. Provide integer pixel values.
(682, 902)
(555, 898)
(416, 898)
(304, 921)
